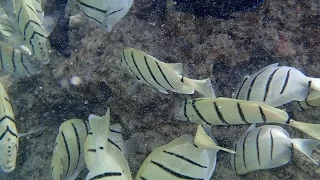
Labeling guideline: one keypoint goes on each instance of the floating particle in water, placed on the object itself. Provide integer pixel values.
(75, 80)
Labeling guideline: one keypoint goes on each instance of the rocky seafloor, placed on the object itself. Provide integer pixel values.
(223, 50)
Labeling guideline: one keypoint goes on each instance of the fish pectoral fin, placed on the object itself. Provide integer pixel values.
(203, 140)
(177, 67)
(202, 86)
(185, 90)
(32, 132)
(306, 146)
(163, 91)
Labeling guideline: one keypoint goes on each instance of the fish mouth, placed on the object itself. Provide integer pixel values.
(7, 169)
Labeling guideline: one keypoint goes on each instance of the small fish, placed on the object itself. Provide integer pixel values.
(26, 28)
(9, 138)
(312, 100)
(105, 13)
(68, 155)
(115, 138)
(15, 62)
(268, 147)
(226, 111)
(109, 161)
(276, 85)
(162, 76)
(186, 157)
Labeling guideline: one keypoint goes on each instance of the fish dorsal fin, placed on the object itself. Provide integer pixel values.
(100, 126)
(177, 67)
(202, 140)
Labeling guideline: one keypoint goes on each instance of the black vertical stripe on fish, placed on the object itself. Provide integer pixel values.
(33, 10)
(219, 113)
(23, 63)
(114, 131)
(106, 174)
(271, 154)
(185, 110)
(26, 27)
(116, 11)
(263, 116)
(238, 93)
(164, 76)
(258, 149)
(78, 143)
(174, 173)
(195, 145)
(86, 125)
(142, 178)
(243, 118)
(198, 113)
(285, 82)
(185, 159)
(309, 84)
(268, 84)
(90, 17)
(244, 151)
(7, 117)
(125, 60)
(234, 158)
(12, 60)
(135, 64)
(2, 60)
(92, 150)
(252, 83)
(306, 101)
(151, 73)
(5, 132)
(18, 20)
(299, 104)
(90, 133)
(113, 143)
(92, 7)
(68, 152)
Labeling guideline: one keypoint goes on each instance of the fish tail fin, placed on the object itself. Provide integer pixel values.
(312, 130)
(315, 84)
(100, 126)
(202, 86)
(203, 140)
(306, 146)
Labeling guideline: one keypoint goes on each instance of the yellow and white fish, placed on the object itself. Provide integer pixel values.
(27, 29)
(268, 147)
(13, 61)
(109, 161)
(68, 155)
(312, 100)
(276, 85)
(186, 157)
(115, 138)
(105, 13)
(226, 111)
(162, 76)
(9, 138)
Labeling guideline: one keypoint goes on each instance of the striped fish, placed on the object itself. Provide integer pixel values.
(115, 139)
(312, 100)
(186, 157)
(68, 154)
(162, 76)
(276, 85)
(109, 161)
(13, 61)
(31, 29)
(105, 13)
(9, 138)
(267, 147)
(226, 111)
